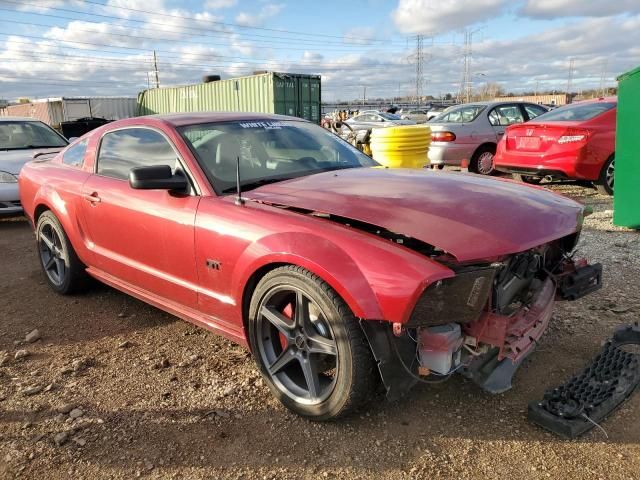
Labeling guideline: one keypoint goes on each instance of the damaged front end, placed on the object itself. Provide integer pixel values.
(484, 321)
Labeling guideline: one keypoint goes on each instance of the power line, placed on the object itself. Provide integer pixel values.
(234, 25)
(180, 55)
(214, 33)
(157, 39)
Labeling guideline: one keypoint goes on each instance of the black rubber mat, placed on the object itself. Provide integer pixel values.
(586, 399)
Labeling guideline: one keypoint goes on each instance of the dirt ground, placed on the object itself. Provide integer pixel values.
(155, 397)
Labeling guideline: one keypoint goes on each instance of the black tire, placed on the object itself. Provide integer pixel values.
(355, 375)
(478, 160)
(527, 179)
(604, 184)
(62, 269)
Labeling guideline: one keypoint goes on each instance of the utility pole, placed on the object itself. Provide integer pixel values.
(155, 69)
(364, 95)
(419, 68)
(570, 80)
(537, 89)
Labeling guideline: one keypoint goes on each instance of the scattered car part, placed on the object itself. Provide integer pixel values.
(583, 401)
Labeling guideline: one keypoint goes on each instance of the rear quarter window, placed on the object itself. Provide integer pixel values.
(577, 112)
(74, 155)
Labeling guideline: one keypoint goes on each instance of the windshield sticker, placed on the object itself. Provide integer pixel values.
(264, 125)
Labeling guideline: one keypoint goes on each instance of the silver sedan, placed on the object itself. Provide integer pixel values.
(468, 134)
(20, 140)
(372, 119)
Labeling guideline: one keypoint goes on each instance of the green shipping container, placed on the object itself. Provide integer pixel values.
(626, 199)
(291, 94)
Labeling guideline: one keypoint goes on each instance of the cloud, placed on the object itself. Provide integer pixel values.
(548, 9)
(218, 4)
(268, 11)
(433, 17)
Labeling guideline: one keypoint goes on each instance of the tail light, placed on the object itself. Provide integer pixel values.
(443, 136)
(574, 135)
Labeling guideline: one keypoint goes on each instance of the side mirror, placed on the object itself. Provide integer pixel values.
(157, 177)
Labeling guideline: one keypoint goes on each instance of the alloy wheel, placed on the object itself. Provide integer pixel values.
(485, 163)
(609, 175)
(296, 345)
(52, 254)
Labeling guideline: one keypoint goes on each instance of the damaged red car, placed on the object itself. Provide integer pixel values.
(342, 277)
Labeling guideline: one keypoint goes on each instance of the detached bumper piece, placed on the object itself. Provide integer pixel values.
(585, 400)
(581, 282)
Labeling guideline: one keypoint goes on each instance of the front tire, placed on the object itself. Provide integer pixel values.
(309, 346)
(482, 160)
(62, 268)
(604, 184)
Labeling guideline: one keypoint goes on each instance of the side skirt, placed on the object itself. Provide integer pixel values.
(235, 334)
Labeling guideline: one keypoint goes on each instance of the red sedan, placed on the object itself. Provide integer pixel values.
(576, 141)
(337, 274)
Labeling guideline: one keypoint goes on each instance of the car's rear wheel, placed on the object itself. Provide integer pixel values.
(308, 345)
(62, 268)
(527, 179)
(482, 160)
(604, 184)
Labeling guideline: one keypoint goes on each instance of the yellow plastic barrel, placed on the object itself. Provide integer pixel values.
(404, 146)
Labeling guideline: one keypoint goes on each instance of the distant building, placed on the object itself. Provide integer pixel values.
(557, 100)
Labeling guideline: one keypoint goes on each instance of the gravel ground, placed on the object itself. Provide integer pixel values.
(113, 388)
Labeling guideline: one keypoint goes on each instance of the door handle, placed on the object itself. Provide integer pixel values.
(92, 198)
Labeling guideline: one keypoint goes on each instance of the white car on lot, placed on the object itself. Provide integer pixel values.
(20, 140)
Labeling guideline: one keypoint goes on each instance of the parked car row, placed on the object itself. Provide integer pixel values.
(469, 133)
(575, 141)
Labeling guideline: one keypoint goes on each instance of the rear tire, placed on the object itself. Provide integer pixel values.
(308, 345)
(527, 179)
(62, 268)
(604, 184)
(482, 160)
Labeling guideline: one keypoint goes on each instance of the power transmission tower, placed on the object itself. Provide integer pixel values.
(570, 79)
(603, 78)
(466, 69)
(419, 68)
(155, 69)
(467, 83)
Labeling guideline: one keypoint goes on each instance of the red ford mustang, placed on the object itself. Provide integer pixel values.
(339, 275)
(576, 141)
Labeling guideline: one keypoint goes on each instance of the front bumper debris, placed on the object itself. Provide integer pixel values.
(585, 400)
(580, 282)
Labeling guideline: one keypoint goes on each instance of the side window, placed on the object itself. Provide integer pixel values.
(534, 110)
(74, 156)
(377, 118)
(122, 150)
(505, 115)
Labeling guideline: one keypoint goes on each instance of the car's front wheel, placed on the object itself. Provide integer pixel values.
(604, 184)
(62, 268)
(308, 345)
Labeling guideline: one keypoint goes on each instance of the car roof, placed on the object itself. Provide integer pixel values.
(19, 119)
(181, 119)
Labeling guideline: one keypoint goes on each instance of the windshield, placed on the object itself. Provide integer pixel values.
(577, 111)
(23, 135)
(269, 151)
(389, 116)
(460, 114)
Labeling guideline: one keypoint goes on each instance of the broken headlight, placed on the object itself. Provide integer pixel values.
(458, 299)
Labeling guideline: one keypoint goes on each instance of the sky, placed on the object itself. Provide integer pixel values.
(105, 47)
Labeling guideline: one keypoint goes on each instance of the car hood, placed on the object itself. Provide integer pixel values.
(13, 160)
(468, 216)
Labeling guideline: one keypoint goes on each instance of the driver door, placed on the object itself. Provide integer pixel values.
(142, 238)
